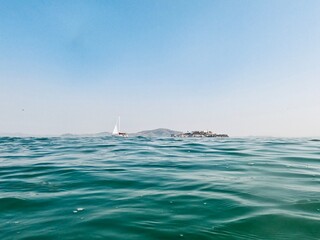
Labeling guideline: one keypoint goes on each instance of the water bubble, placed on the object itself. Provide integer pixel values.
(75, 211)
(181, 235)
(80, 209)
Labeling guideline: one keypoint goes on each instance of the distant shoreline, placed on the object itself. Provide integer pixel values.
(159, 132)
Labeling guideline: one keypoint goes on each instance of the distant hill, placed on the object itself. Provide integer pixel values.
(159, 132)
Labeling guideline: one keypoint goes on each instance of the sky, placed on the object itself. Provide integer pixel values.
(245, 68)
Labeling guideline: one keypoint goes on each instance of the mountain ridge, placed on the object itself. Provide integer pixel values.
(158, 132)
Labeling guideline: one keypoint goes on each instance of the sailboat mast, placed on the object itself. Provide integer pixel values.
(119, 124)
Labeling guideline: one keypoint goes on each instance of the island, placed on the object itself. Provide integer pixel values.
(199, 134)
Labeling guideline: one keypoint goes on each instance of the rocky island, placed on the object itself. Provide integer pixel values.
(199, 134)
(159, 132)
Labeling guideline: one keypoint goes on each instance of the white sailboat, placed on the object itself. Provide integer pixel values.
(116, 130)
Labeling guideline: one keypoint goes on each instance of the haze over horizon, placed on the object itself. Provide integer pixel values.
(237, 67)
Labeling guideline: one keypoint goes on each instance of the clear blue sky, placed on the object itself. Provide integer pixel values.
(239, 67)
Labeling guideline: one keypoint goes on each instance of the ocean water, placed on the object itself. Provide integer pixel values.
(143, 188)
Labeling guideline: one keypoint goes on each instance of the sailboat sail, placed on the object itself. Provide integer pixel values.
(115, 130)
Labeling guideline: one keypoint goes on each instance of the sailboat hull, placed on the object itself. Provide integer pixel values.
(120, 135)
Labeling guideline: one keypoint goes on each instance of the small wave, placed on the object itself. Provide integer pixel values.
(315, 140)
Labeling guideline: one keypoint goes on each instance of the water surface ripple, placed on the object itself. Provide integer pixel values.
(149, 188)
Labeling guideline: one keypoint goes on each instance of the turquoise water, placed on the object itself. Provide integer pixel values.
(141, 188)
